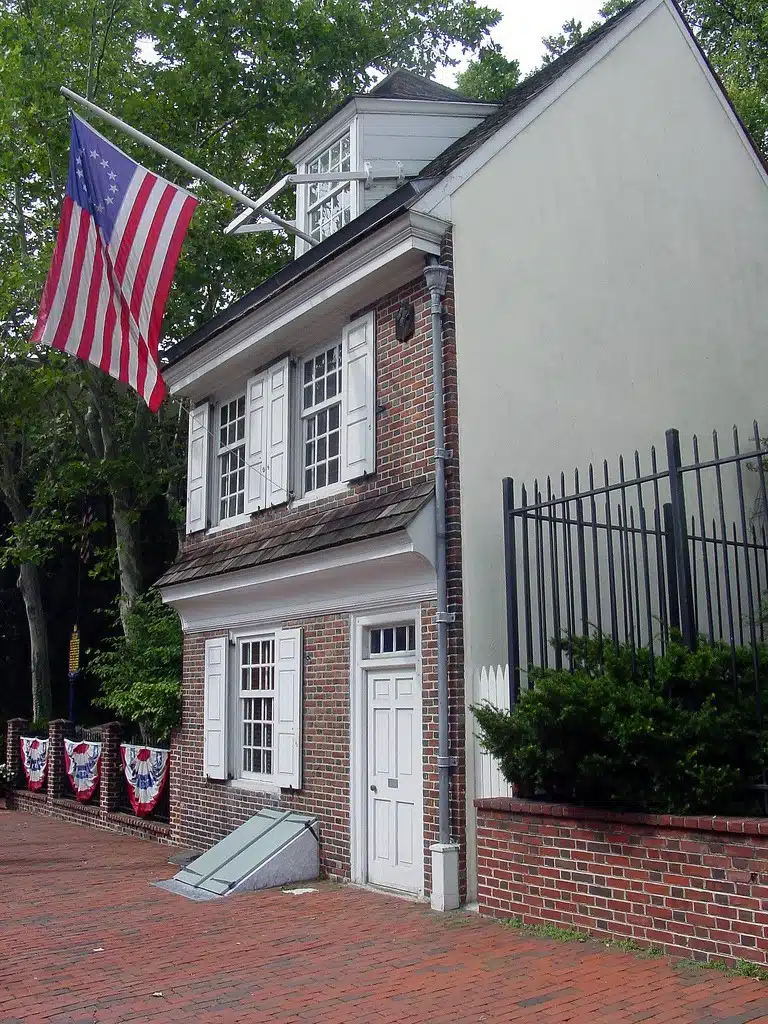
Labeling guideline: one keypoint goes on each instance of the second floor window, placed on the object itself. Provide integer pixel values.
(232, 458)
(321, 418)
(329, 204)
(304, 424)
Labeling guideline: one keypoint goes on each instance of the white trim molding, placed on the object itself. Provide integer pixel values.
(322, 302)
(436, 201)
(358, 723)
(377, 573)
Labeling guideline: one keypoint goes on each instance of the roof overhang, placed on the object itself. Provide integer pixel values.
(317, 304)
(326, 132)
(388, 570)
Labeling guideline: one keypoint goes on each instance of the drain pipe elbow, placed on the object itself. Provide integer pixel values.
(436, 277)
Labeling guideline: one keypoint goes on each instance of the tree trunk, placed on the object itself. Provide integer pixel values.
(29, 585)
(128, 556)
(31, 591)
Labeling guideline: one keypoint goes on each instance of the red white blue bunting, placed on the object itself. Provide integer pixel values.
(83, 764)
(146, 770)
(34, 757)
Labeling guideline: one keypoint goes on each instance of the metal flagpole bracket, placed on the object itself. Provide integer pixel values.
(186, 165)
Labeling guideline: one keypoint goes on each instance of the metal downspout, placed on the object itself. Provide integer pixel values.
(436, 277)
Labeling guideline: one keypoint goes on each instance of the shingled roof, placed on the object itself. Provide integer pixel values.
(304, 532)
(406, 85)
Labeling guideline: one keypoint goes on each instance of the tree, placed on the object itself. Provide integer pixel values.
(231, 86)
(734, 36)
(556, 45)
(491, 77)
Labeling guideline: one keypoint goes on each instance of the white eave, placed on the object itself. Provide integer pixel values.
(326, 133)
(371, 573)
(318, 304)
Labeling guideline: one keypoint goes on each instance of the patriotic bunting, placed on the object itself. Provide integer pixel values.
(146, 771)
(83, 764)
(34, 757)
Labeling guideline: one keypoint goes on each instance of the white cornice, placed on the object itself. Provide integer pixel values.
(248, 338)
(368, 573)
(326, 133)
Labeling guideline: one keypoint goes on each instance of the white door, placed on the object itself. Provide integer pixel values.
(395, 811)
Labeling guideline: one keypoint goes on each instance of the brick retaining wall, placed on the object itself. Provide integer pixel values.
(698, 886)
(54, 804)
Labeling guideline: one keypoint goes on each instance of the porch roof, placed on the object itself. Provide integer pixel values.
(304, 531)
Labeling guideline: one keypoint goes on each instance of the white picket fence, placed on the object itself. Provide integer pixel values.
(492, 685)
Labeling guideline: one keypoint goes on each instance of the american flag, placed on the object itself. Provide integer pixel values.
(120, 235)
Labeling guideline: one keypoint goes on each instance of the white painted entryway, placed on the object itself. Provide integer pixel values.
(395, 831)
(386, 763)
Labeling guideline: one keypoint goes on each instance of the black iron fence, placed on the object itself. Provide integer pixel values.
(629, 559)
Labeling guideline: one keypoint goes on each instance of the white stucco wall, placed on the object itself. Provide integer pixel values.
(611, 267)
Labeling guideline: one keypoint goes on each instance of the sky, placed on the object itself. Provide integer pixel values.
(525, 22)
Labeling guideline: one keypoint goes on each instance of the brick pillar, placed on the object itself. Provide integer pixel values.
(111, 767)
(59, 729)
(16, 729)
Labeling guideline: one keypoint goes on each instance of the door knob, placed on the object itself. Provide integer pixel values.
(374, 789)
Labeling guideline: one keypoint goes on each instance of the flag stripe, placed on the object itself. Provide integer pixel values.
(168, 270)
(70, 285)
(72, 342)
(96, 289)
(54, 274)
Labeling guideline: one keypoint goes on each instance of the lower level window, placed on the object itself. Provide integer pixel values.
(257, 705)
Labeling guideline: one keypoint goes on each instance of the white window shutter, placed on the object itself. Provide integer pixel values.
(288, 688)
(255, 442)
(278, 393)
(215, 708)
(197, 468)
(358, 400)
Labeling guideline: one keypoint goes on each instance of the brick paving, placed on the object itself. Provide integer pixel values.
(85, 938)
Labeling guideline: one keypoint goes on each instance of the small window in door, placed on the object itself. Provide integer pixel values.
(392, 640)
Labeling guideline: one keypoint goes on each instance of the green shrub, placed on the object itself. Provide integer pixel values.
(686, 741)
(140, 673)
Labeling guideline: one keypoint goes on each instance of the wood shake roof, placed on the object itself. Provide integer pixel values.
(302, 532)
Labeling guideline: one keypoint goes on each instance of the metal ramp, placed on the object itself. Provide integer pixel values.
(272, 848)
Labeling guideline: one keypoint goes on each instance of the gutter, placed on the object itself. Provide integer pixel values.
(445, 854)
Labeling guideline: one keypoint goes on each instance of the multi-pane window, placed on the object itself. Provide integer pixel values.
(321, 418)
(232, 458)
(392, 640)
(329, 204)
(257, 705)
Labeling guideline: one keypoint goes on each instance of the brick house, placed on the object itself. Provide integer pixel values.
(333, 626)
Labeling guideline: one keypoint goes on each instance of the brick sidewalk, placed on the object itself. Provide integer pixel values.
(83, 937)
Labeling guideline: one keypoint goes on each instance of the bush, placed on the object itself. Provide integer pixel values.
(687, 741)
(140, 674)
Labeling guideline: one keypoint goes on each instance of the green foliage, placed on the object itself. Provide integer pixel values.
(140, 674)
(734, 37)
(491, 77)
(687, 740)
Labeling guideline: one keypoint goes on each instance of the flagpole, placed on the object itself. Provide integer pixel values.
(191, 168)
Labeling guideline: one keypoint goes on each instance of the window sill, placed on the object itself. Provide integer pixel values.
(254, 786)
(322, 492)
(229, 524)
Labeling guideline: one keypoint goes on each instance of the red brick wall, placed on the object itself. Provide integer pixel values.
(696, 886)
(203, 812)
(89, 814)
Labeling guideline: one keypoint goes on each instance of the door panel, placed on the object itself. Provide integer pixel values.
(395, 799)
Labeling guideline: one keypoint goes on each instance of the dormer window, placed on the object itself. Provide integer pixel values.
(329, 203)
